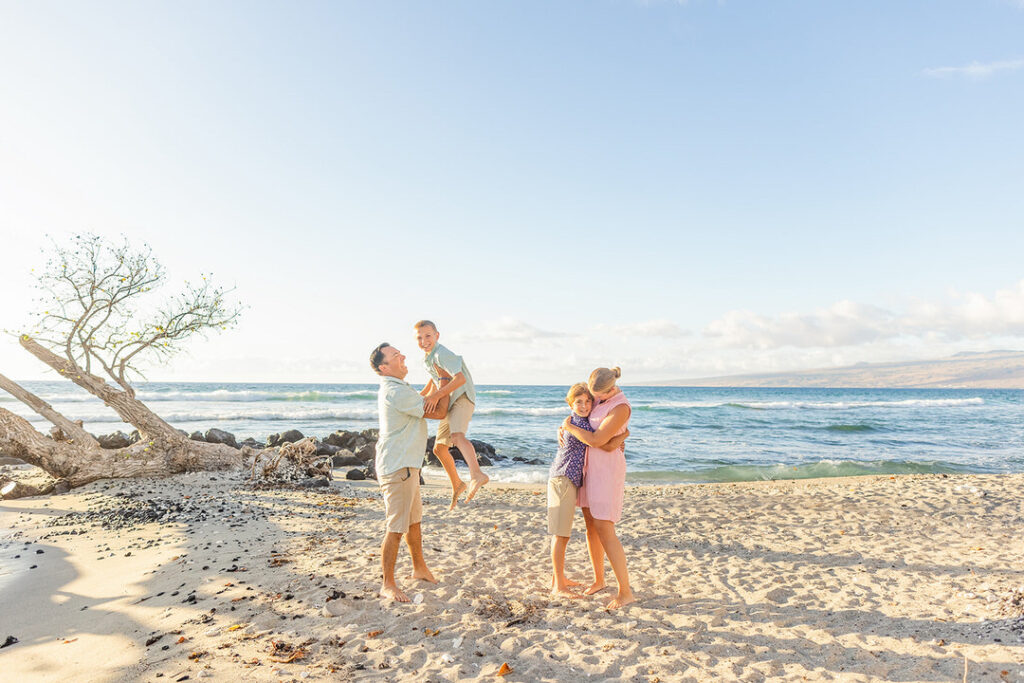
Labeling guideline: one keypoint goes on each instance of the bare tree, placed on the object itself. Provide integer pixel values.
(96, 317)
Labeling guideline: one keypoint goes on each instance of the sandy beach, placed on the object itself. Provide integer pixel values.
(906, 578)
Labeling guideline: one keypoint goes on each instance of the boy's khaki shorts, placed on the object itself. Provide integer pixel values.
(457, 420)
(402, 504)
(561, 506)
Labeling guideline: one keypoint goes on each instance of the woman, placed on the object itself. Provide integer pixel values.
(604, 481)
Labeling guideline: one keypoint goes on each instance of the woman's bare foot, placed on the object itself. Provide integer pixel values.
(595, 587)
(393, 593)
(423, 575)
(475, 485)
(459, 490)
(621, 600)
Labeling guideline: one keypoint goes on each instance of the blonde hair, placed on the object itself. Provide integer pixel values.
(576, 390)
(424, 323)
(603, 379)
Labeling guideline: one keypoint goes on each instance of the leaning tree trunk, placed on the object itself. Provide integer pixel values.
(79, 464)
(131, 410)
(71, 430)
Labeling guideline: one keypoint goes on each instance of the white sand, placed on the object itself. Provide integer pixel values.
(873, 578)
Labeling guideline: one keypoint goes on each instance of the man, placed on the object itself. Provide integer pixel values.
(400, 448)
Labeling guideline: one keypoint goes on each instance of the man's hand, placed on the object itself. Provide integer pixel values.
(430, 402)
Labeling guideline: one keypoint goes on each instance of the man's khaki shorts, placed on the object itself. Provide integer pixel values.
(457, 420)
(561, 506)
(402, 504)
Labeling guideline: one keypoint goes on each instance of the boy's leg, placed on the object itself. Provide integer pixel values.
(596, 551)
(414, 539)
(559, 584)
(448, 462)
(477, 477)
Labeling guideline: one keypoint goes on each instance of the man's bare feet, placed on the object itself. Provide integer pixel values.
(621, 600)
(595, 587)
(423, 575)
(393, 593)
(459, 490)
(475, 485)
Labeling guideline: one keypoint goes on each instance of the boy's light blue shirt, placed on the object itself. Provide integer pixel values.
(453, 365)
(403, 431)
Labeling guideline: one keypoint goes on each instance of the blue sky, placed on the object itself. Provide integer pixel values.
(684, 189)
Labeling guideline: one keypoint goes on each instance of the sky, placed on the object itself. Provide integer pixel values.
(682, 189)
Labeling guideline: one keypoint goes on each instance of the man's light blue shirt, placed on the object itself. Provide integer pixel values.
(453, 365)
(403, 431)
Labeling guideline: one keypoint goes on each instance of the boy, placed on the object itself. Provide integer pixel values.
(564, 479)
(441, 362)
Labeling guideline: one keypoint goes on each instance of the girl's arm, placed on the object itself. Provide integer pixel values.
(610, 426)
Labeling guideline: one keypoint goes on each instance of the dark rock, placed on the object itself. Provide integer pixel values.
(370, 434)
(291, 436)
(61, 486)
(324, 448)
(483, 461)
(220, 436)
(527, 461)
(355, 475)
(342, 439)
(183, 433)
(135, 437)
(252, 443)
(346, 458)
(11, 640)
(116, 440)
(367, 452)
(358, 443)
(482, 447)
(197, 436)
(315, 482)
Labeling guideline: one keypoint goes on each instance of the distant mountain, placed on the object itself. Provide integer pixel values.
(985, 370)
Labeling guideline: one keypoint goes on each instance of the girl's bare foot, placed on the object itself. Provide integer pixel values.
(595, 587)
(423, 575)
(393, 593)
(459, 490)
(621, 600)
(475, 485)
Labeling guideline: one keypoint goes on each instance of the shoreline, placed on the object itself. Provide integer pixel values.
(859, 578)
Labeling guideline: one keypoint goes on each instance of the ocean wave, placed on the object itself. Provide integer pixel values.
(211, 416)
(494, 392)
(560, 410)
(816, 470)
(850, 428)
(846, 405)
(255, 395)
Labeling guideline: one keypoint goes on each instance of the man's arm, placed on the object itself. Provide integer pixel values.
(407, 401)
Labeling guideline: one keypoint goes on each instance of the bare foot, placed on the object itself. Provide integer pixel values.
(456, 493)
(423, 575)
(570, 583)
(394, 593)
(595, 587)
(476, 485)
(621, 600)
(565, 592)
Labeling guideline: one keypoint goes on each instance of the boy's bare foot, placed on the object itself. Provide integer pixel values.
(424, 575)
(621, 600)
(476, 485)
(565, 592)
(459, 490)
(571, 583)
(595, 587)
(393, 593)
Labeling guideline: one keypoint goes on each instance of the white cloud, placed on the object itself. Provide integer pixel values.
(976, 70)
(507, 329)
(650, 328)
(845, 323)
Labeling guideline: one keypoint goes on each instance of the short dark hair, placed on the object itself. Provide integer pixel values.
(377, 357)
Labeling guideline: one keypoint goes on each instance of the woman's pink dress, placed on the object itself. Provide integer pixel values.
(604, 474)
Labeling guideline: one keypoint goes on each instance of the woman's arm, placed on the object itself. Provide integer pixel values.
(610, 426)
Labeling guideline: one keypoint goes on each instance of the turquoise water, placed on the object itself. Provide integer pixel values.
(679, 434)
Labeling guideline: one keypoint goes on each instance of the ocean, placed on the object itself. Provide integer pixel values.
(678, 434)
